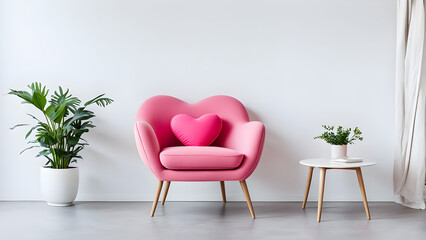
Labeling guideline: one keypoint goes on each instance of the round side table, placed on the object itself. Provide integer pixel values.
(325, 164)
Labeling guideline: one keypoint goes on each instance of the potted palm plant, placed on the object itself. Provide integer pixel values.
(59, 135)
(340, 139)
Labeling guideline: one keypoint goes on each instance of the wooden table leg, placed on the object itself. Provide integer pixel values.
(308, 185)
(321, 192)
(364, 196)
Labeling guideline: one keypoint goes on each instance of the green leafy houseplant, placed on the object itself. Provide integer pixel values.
(65, 121)
(341, 136)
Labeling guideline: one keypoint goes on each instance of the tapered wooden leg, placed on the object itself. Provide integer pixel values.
(157, 195)
(364, 196)
(247, 195)
(308, 185)
(166, 190)
(222, 188)
(321, 192)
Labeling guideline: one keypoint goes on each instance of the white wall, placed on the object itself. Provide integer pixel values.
(294, 64)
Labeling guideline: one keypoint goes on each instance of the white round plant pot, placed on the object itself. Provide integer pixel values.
(59, 187)
(339, 151)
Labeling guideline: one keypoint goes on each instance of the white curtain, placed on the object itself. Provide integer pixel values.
(409, 166)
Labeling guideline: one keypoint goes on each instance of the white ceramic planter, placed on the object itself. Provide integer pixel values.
(59, 186)
(339, 151)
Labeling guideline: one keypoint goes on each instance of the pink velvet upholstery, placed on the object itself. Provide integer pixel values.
(200, 131)
(153, 134)
(200, 158)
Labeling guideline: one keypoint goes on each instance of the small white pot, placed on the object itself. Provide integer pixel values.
(59, 186)
(339, 151)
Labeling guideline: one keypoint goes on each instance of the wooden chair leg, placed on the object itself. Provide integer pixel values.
(364, 196)
(321, 192)
(166, 190)
(247, 195)
(222, 188)
(308, 186)
(157, 195)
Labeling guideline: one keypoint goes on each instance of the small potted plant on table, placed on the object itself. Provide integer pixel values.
(59, 135)
(340, 139)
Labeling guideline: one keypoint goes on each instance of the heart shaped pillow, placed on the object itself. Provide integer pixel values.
(196, 132)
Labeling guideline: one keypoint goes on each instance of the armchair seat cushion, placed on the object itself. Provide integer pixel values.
(200, 158)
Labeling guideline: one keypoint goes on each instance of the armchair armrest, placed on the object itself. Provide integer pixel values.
(148, 147)
(247, 138)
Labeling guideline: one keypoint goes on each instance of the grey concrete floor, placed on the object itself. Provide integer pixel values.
(208, 220)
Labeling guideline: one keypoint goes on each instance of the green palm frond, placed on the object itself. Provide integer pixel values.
(31, 130)
(64, 99)
(79, 115)
(19, 125)
(26, 96)
(34, 117)
(44, 152)
(30, 147)
(61, 104)
(100, 101)
(46, 136)
(39, 95)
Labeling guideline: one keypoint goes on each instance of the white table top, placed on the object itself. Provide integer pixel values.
(327, 163)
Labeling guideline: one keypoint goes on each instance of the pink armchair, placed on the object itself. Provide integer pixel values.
(239, 136)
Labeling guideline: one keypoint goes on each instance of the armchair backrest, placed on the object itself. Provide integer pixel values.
(159, 110)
